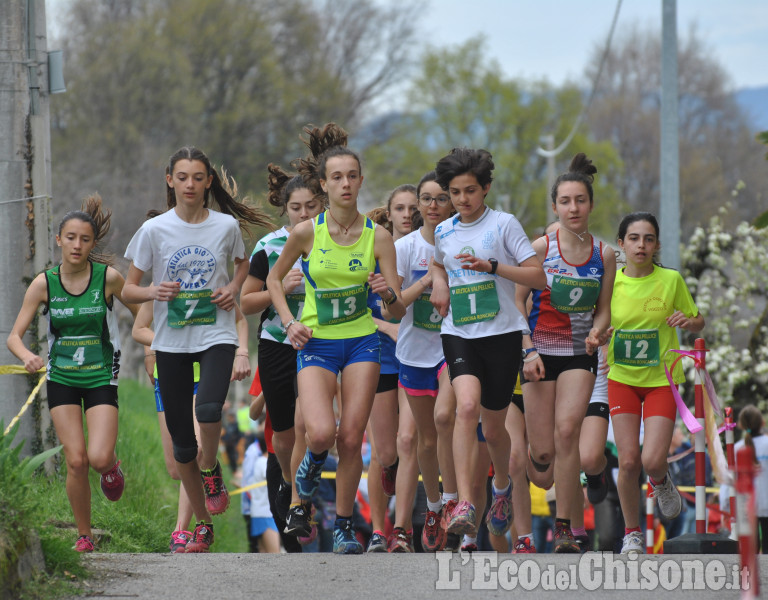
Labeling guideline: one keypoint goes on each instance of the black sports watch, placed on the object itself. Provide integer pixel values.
(392, 298)
(494, 265)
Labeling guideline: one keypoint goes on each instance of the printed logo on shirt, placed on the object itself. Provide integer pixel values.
(324, 250)
(356, 265)
(489, 241)
(192, 266)
(593, 270)
(467, 250)
(655, 304)
(63, 312)
(95, 295)
(424, 262)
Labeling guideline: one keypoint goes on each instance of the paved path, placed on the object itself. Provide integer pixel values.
(411, 576)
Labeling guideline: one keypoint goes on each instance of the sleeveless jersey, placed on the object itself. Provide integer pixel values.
(482, 304)
(418, 342)
(336, 284)
(272, 245)
(641, 337)
(562, 313)
(83, 338)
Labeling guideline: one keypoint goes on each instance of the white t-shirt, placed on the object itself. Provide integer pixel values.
(418, 341)
(482, 304)
(196, 255)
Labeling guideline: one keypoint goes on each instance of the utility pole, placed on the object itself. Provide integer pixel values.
(25, 188)
(670, 153)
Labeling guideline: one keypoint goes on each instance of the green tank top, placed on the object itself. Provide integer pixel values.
(336, 283)
(83, 340)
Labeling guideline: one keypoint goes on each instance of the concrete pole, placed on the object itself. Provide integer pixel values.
(670, 159)
(25, 184)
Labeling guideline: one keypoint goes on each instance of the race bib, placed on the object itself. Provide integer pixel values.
(191, 308)
(79, 353)
(296, 304)
(425, 316)
(573, 295)
(636, 347)
(474, 302)
(341, 305)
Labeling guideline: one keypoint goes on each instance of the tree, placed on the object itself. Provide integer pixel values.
(238, 78)
(717, 149)
(725, 271)
(460, 98)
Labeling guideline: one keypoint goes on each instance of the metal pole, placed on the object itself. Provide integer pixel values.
(670, 159)
(24, 174)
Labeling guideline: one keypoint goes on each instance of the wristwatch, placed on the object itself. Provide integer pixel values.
(494, 265)
(392, 297)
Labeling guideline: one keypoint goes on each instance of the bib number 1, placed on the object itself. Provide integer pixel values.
(474, 302)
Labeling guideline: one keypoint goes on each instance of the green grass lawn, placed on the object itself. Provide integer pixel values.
(142, 520)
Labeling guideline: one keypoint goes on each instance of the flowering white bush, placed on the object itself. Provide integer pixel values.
(727, 273)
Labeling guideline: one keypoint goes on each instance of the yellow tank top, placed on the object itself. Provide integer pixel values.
(336, 284)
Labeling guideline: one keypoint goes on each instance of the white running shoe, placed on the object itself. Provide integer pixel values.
(633, 542)
(668, 498)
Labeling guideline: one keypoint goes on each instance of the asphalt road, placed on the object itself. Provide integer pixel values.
(413, 576)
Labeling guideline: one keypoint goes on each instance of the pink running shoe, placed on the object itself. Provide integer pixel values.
(216, 494)
(202, 538)
(463, 520)
(84, 544)
(113, 483)
(179, 541)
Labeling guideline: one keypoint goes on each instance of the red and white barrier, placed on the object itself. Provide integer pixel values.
(649, 518)
(729, 425)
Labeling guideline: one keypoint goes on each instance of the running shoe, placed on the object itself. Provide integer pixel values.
(297, 522)
(179, 540)
(583, 541)
(377, 543)
(388, 477)
(344, 540)
(565, 543)
(668, 498)
(216, 494)
(524, 546)
(452, 542)
(447, 513)
(308, 477)
(499, 516)
(469, 547)
(634, 543)
(433, 535)
(283, 498)
(113, 483)
(202, 538)
(597, 488)
(84, 544)
(463, 520)
(308, 539)
(401, 541)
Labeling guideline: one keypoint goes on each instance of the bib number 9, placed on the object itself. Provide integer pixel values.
(573, 295)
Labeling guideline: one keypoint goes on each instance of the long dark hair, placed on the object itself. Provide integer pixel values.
(634, 218)
(280, 186)
(223, 189)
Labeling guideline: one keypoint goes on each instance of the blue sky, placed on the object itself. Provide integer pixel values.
(554, 39)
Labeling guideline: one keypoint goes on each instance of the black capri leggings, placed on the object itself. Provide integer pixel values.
(177, 388)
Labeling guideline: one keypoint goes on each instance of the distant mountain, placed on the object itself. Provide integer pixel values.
(754, 101)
